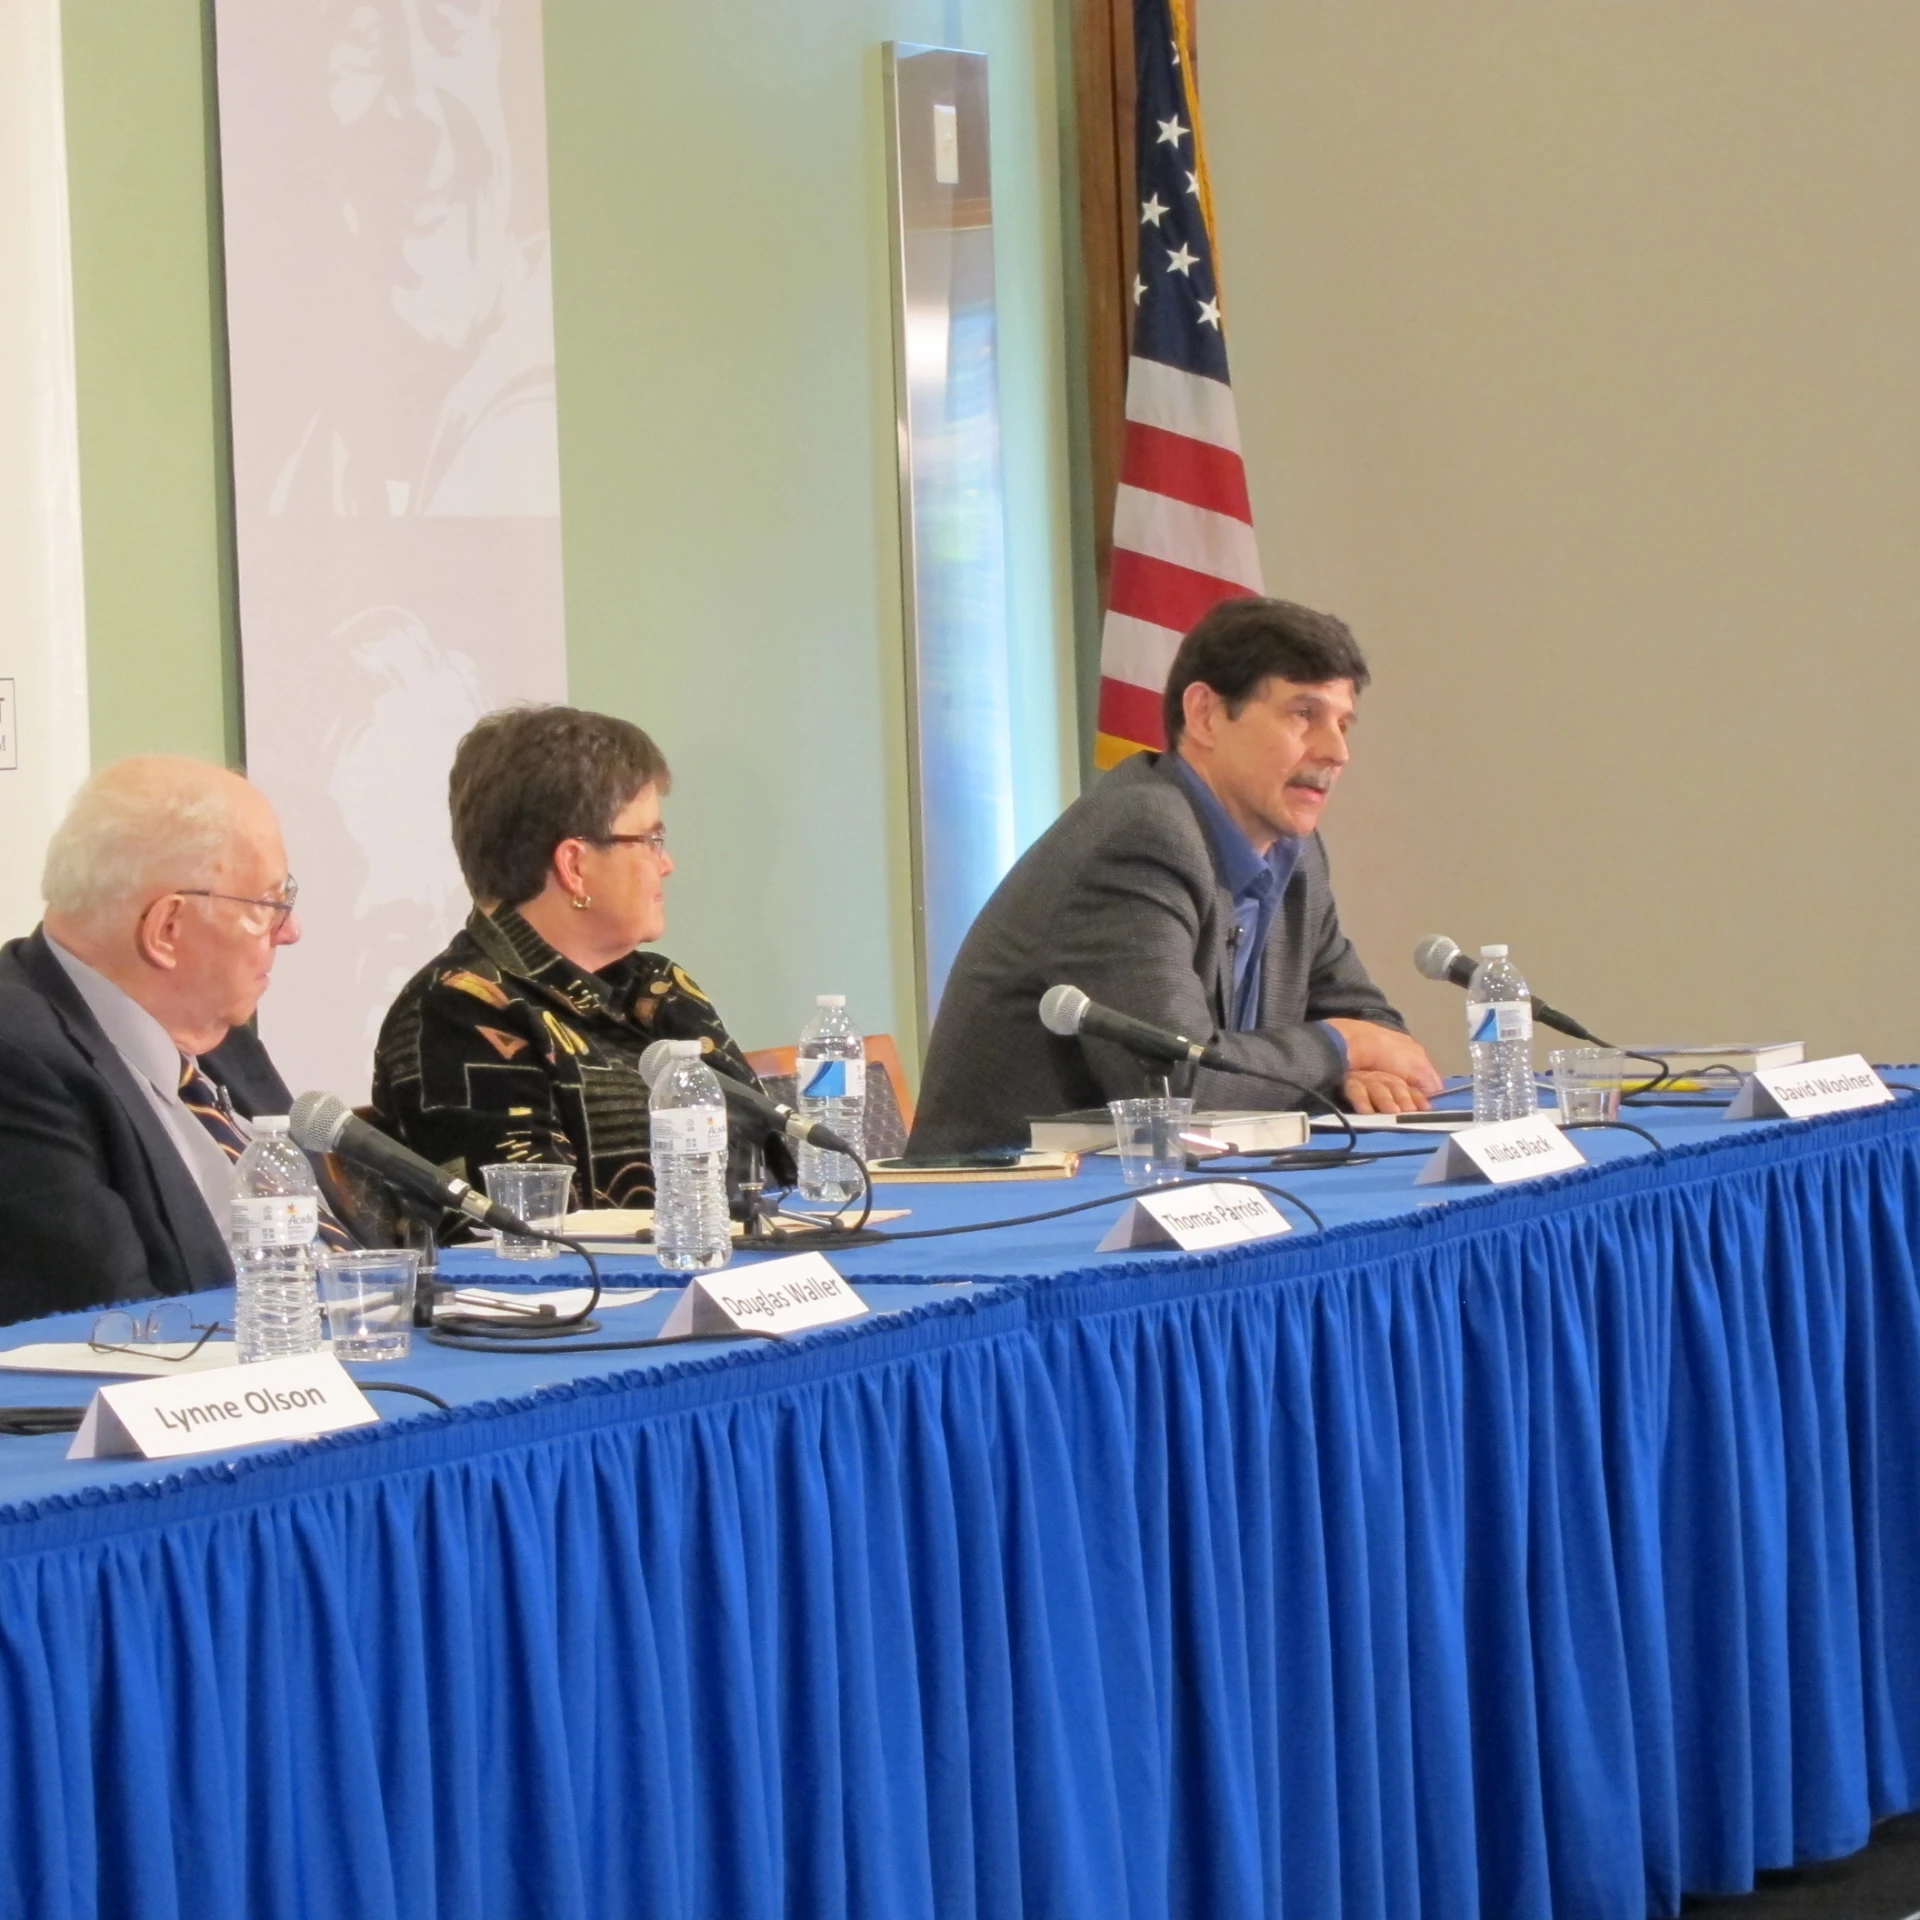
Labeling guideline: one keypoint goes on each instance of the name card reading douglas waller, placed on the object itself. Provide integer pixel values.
(1503, 1151)
(775, 1296)
(1218, 1214)
(211, 1412)
(1812, 1087)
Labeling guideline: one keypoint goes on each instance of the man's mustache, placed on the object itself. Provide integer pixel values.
(1318, 778)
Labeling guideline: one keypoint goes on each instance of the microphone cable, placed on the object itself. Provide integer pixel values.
(27, 1423)
(1086, 1206)
(883, 1234)
(1618, 1126)
(30, 1422)
(472, 1329)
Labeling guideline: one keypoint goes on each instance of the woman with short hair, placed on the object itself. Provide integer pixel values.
(522, 1041)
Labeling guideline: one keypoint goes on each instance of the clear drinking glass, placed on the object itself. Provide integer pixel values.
(1147, 1133)
(366, 1301)
(1588, 1081)
(536, 1191)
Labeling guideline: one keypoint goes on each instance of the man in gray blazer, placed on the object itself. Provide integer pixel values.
(1189, 889)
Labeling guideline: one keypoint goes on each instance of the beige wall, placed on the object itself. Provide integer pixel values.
(1578, 354)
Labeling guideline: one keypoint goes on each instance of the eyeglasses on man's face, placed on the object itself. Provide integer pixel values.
(273, 911)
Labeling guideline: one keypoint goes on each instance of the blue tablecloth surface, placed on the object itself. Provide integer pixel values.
(1545, 1551)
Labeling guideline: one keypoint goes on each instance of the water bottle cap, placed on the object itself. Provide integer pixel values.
(269, 1123)
(829, 999)
(1493, 953)
(683, 1049)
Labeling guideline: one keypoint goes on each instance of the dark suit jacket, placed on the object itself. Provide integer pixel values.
(95, 1201)
(1122, 897)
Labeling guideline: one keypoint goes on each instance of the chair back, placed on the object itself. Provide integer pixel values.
(889, 1104)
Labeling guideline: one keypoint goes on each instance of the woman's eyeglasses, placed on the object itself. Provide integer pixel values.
(655, 842)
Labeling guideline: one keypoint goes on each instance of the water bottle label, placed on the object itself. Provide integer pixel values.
(1498, 1020)
(833, 1080)
(286, 1220)
(690, 1130)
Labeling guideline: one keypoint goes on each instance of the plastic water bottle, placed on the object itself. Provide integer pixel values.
(688, 1119)
(831, 1063)
(270, 1228)
(1500, 1039)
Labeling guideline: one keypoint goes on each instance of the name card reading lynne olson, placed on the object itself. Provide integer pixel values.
(1813, 1087)
(210, 1412)
(1503, 1151)
(1218, 1214)
(775, 1296)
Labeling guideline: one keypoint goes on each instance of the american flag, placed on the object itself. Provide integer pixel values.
(1182, 529)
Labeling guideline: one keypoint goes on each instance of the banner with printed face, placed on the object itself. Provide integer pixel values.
(395, 458)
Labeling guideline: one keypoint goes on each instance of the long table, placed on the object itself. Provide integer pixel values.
(1547, 1551)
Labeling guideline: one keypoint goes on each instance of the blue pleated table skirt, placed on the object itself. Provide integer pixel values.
(1546, 1553)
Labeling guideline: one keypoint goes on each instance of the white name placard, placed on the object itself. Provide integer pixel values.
(210, 1412)
(1503, 1151)
(1812, 1087)
(776, 1296)
(1218, 1214)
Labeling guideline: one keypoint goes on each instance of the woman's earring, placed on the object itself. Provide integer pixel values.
(583, 901)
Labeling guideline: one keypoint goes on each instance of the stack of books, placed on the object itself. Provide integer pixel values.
(1091, 1128)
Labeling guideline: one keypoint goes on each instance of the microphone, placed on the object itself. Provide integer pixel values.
(1068, 1012)
(756, 1106)
(1439, 958)
(324, 1123)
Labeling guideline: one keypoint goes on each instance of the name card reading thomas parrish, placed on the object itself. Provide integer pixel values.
(1218, 1214)
(1811, 1088)
(1503, 1151)
(212, 1412)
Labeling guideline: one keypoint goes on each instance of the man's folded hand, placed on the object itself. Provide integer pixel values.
(1386, 1051)
(1371, 1091)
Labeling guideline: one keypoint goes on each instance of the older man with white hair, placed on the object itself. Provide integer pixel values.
(126, 1068)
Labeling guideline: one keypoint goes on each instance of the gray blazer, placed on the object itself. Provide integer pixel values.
(1122, 897)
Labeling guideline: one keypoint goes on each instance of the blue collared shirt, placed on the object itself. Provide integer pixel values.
(1255, 882)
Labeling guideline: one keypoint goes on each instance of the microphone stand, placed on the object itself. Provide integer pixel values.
(418, 1225)
(756, 1211)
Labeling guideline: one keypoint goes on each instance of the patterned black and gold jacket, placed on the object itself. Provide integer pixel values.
(502, 1049)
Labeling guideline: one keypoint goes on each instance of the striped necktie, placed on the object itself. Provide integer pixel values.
(208, 1104)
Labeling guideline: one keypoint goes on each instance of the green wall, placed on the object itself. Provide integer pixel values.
(151, 387)
(726, 438)
(727, 458)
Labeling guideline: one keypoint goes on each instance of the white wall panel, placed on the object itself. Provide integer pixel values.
(396, 460)
(43, 659)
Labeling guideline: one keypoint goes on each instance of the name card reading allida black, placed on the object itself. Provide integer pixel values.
(1502, 1151)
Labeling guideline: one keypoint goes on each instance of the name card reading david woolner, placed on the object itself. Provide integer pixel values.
(1813, 1087)
(211, 1412)
(1502, 1151)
